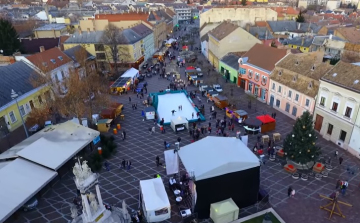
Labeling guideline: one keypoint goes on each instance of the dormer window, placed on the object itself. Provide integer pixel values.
(313, 67)
(297, 62)
(53, 61)
(60, 58)
(280, 72)
(310, 86)
(44, 64)
(294, 78)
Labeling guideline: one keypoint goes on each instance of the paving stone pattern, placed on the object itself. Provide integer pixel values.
(142, 148)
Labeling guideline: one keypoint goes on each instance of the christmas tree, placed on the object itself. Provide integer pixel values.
(300, 144)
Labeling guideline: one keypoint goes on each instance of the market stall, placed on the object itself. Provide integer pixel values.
(179, 124)
(108, 113)
(154, 200)
(103, 125)
(117, 108)
(268, 123)
(149, 113)
(252, 126)
(221, 101)
(237, 114)
(121, 85)
(132, 73)
(224, 211)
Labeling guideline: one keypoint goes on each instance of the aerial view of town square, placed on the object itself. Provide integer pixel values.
(179, 111)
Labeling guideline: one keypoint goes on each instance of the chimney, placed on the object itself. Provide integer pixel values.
(88, 30)
(248, 27)
(299, 25)
(42, 49)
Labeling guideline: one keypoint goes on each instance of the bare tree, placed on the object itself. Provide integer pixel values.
(113, 40)
(79, 94)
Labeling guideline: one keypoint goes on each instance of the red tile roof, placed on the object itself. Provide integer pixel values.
(131, 16)
(49, 59)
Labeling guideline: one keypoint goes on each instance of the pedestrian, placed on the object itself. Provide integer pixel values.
(274, 115)
(336, 153)
(172, 112)
(143, 115)
(179, 107)
(123, 163)
(344, 186)
(192, 115)
(292, 193)
(179, 139)
(107, 166)
(150, 130)
(190, 132)
(209, 124)
(289, 191)
(338, 184)
(153, 129)
(340, 160)
(124, 135)
(128, 164)
(158, 161)
(129, 100)
(209, 129)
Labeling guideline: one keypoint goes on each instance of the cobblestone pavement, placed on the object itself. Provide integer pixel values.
(142, 148)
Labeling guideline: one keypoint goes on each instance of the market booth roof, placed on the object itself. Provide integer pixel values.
(253, 122)
(191, 68)
(131, 73)
(120, 82)
(154, 194)
(20, 181)
(216, 156)
(265, 119)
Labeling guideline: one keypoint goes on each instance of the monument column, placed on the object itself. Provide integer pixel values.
(87, 206)
(98, 194)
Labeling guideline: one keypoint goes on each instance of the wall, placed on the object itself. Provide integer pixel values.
(246, 15)
(331, 5)
(284, 98)
(233, 72)
(302, 49)
(345, 98)
(204, 49)
(23, 100)
(149, 46)
(48, 34)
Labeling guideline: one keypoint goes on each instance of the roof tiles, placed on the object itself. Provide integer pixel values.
(223, 30)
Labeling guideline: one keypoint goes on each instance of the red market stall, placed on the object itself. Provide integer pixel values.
(185, 48)
(268, 123)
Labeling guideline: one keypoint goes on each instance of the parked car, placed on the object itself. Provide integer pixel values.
(217, 87)
(31, 204)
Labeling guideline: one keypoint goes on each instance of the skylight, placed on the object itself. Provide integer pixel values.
(334, 74)
(53, 61)
(60, 58)
(356, 81)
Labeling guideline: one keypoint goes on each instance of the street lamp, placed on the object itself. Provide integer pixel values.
(14, 95)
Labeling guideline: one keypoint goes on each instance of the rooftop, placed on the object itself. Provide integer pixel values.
(351, 34)
(258, 55)
(49, 27)
(261, 33)
(299, 71)
(141, 30)
(14, 77)
(344, 75)
(319, 40)
(128, 16)
(223, 30)
(293, 26)
(75, 51)
(231, 60)
(85, 37)
(49, 59)
(304, 41)
(31, 45)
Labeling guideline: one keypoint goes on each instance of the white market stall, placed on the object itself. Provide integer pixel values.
(131, 73)
(155, 202)
(150, 113)
(224, 211)
(179, 124)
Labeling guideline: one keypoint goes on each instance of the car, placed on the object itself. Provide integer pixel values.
(217, 87)
(31, 204)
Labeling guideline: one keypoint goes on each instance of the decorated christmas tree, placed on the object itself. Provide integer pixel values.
(300, 144)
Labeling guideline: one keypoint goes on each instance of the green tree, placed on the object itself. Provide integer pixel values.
(9, 39)
(300, 17)
(300, 145)
(243, 2)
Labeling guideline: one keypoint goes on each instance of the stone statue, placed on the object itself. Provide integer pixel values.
(86, 169)
(84, 207)
(77, 171)
(93, 203)
(74, 211)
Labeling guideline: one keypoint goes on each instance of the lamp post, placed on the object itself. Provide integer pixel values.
(14, 96)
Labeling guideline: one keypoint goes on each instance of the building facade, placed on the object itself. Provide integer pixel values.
(337, 106)
(255, 68)
(228, 67)
(294, 83)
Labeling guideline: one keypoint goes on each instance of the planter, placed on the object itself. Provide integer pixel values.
(318, 176)
(324, 174)
(296, 176)
(299, 166)
(329, 167)
(304, 177)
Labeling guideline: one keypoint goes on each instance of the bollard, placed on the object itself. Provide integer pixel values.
(99, 150)
(115, 131)
(118, 126)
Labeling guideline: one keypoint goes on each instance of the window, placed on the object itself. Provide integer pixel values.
(250, 74)
(322, 101)
(12, 117)
(294, 111)
(307, 102)
(273, 86)
(297, 97)
(31, 104)
(257, 76)
(62, 74)
(334, 106)
(100, 56)
(342, 135)
(289, 94)
(56, 77)
(250, 87)
(40, 99)
(242, 71)
(330, 129)
(277, 103)
(279, 89)
(264, 80)
(27, 108)
(287, 107)
(99, 47)
(22, 110)
(348, 111)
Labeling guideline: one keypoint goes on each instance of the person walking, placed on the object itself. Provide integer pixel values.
(340, 160)
(128, 164)
(123, 164)
(129, 100)
(290, 191)
(172, 112)
(165, 143)
(179, 139)
(336, 153)
(158, 161)
(192, 115)
(338, 184)
(124, 135)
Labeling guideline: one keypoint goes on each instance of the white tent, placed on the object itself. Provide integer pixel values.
(131, 73)
(171, 162)
(180, 123)
(215, 156)
(155, 202)
(224, 211)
